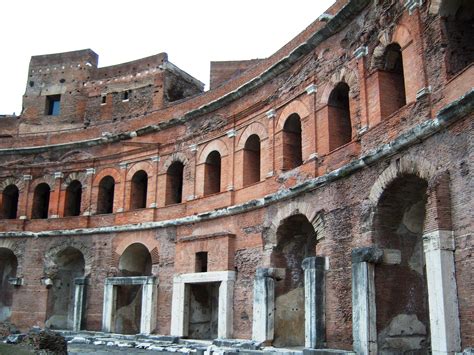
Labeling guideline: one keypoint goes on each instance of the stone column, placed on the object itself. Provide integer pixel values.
(314, 302)
(225, 313)
(263, 305)
(442, 292)
(179, 308)
(110, 300)
(80, 288)
(147, 321)
(364, 330)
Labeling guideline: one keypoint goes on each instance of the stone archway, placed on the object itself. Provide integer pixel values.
(129, 299)
(289, 293)
(408, 219)
(401, 292)
(63, 302)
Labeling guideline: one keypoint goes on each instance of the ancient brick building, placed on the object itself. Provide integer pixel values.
(321, 197)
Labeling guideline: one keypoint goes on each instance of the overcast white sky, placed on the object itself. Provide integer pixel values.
(193, 33)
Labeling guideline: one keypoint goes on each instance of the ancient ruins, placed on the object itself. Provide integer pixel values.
(320, 198)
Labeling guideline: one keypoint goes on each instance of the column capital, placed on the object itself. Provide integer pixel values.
(367, 254)
(439, 240)
(314, 262)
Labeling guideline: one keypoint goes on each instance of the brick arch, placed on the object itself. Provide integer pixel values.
(18, 182)
(385, 39)
(79, 176)
(314, 216)
(48, 179)
(113, 172)
(255, 128)
(418, 166)
(295, 106)
(217, 145)
(18, 249)
(123, 245)
(142, 165)
(178, 156)
(58, 246)
(407, 165)
(344, 75)
(402, 36)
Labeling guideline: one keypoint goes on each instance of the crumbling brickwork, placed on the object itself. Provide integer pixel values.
(169, 210)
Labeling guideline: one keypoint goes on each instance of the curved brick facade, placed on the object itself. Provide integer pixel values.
(132, 201)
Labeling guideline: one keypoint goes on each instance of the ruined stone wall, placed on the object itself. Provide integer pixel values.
(333, 187)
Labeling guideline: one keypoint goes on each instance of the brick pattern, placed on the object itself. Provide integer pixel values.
(344, 214)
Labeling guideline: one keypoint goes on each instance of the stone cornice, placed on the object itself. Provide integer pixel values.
(333, 26)
(445, 117)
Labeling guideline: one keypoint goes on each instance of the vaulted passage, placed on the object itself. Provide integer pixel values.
(392, 81)
(401, 288)
(340, 130)
(41, 201)
(292, 154)
(60, 309)
(105, 197)
(138, 190)
(73, 199)
(251, 160)
(174, 183)
(8, 266)
(296, 240)
(212, 173)
(458, 25)
(10, 202)
(135, 261)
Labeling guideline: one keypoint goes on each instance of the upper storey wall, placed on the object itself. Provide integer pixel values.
(68, 91)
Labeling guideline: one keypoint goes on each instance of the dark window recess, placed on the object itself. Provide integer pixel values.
(126, 95)
(53, 105)
(103, 99)
(174, 183)
(10, 202)
(201, 261)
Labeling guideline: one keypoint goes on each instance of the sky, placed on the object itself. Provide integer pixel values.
(193, 33)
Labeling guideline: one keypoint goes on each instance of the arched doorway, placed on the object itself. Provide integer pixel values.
(135, 261)
(105, 197)
(340, 129)
(138, 191)
(41, 201)
(174, 183)
(251, 166)
(69, 265)
(8, 267)
(292, 142)
(10, 202)
(296, 240)
(72, 205)
(212, 173)
(401, 292)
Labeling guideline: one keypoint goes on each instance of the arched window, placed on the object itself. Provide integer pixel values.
(458, 25)
(41, 201)
(105, 197)
(174, 183)
(340, 131)
(212, 173)
(10, 202)
(251, 160)
(72, 205)
(292, 155)
(139, 190)
(392, 81)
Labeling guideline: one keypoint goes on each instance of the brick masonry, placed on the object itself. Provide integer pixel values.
(166, 117)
